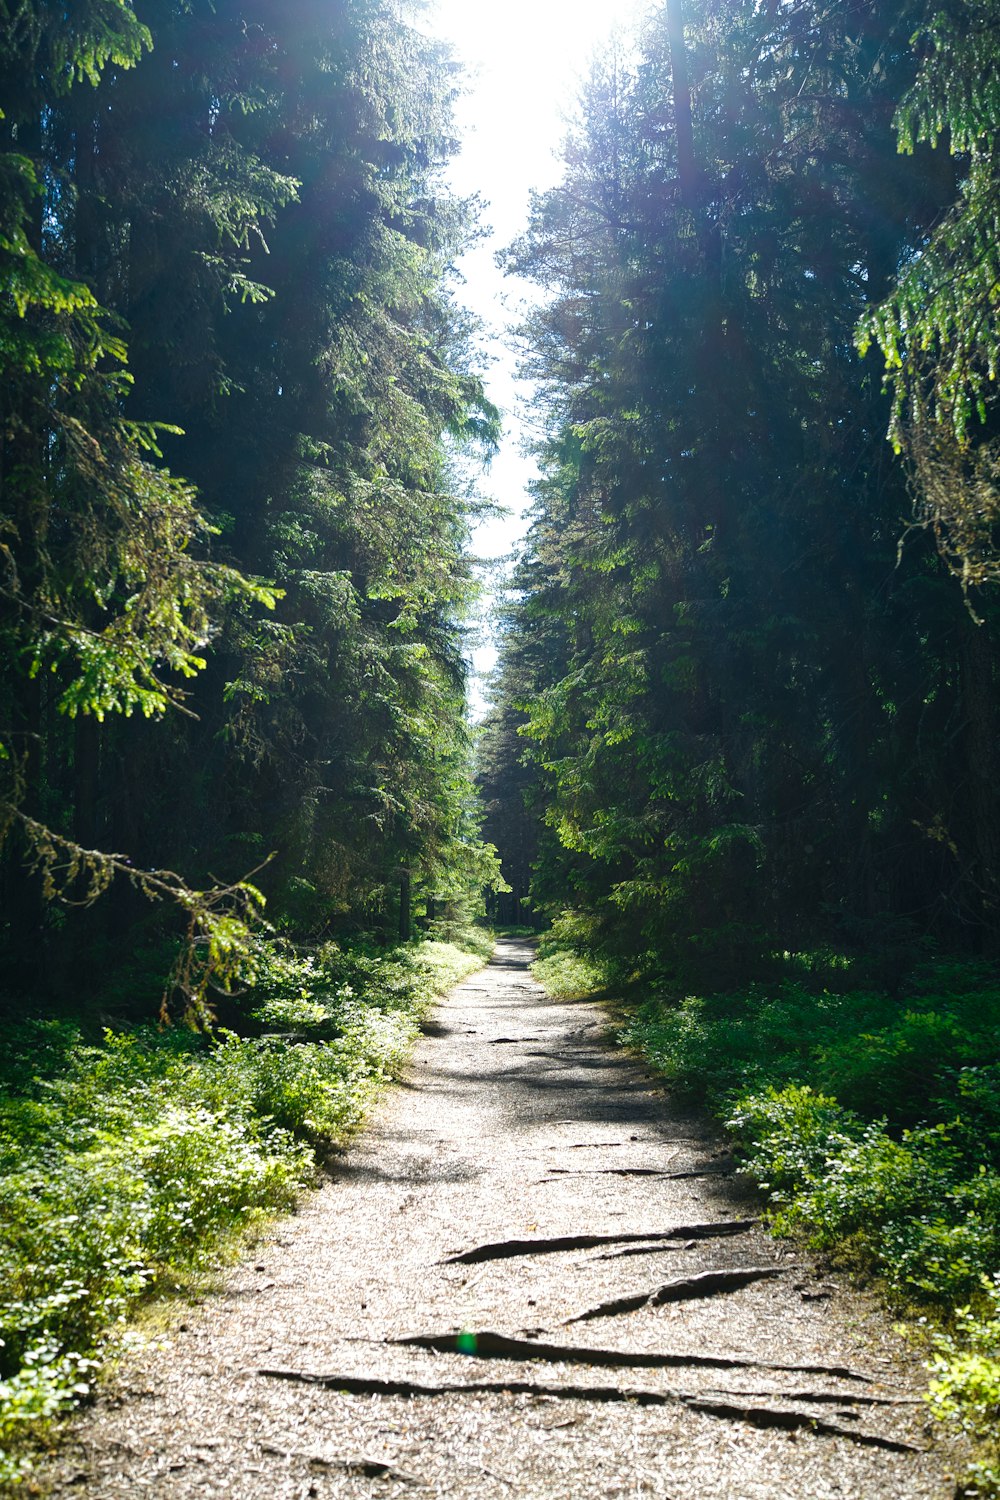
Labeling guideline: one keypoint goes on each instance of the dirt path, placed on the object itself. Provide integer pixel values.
(518, 1127)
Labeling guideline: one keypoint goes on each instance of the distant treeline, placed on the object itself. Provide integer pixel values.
(747, 701)
(238, 633)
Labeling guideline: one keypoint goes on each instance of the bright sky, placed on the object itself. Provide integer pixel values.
(524, 62)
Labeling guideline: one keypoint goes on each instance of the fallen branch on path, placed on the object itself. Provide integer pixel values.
(706, 1284)
(507, 1249)
(491, 1345)
(756, 1416)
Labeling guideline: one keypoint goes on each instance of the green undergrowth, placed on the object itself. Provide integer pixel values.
(569, 975)
(129, 1163)
(872, 1122)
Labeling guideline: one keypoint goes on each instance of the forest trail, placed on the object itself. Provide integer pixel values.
(750, 1377)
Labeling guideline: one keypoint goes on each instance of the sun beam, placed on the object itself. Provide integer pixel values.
(524, 64)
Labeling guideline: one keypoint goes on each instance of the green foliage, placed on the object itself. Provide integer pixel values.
(126, 1164)
(447, 964)
(879, 1054)
(117, 1173)
(796, 1131)
(966, 1387)
(714, 677)
(276, 286)
(567, 974)
(45, 1386)
(872, 1122)
(904, 1206)
(109, 597)
(938, 329)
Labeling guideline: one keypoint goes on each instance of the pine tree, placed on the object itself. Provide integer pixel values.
(243, 275)
(938, 330)
(720, 754)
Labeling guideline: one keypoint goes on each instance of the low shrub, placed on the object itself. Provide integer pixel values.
(965, 1389)
(568, 975)
(872, 1121)
(129, 1163)
(905, 1205)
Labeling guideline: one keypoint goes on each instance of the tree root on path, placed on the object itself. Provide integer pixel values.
(507, 1249)
(645, 1250)
(674, 1142)
(370, 1468)
(822, 1398)
(556, 1172)
(490, 1345)
(756, 1416)
(377, 1468)
(706, 1284)
(794, 1421)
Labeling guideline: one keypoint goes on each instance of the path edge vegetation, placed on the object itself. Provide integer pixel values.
(870, 1123)
(136, 1160)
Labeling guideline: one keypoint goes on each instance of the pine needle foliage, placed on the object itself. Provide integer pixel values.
(939, 330)
(231, 540)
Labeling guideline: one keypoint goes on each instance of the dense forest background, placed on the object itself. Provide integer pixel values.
(748, 696)
(235, 394)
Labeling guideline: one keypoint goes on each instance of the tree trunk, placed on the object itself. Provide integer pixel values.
(404, 907)
(979, 704)
(687, 168)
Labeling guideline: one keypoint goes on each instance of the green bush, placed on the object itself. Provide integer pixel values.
(944, 1249)
(45, 1385)
(966, 1385)
(872, 1121)
(903, 1205)
(877, 1055)
(568, 975)
(790, 1136)
(442, 965)
(129, 1162)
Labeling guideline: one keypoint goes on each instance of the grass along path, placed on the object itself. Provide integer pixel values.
(872, 1122)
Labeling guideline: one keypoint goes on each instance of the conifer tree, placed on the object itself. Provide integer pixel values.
(727, 754)
(939, 329)
(226, 255)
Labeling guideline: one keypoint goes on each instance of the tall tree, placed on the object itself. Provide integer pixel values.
(735, 755)
(251, 200)
(106, 601)
(939, 330)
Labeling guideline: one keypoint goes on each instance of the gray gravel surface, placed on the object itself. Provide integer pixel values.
(518, 1125)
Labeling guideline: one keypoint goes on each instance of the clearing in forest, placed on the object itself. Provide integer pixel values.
(531, 1277)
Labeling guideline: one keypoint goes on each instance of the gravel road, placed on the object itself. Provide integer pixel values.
(533, 1193)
